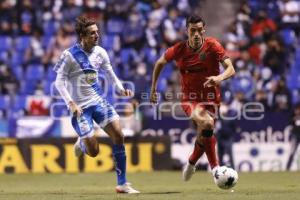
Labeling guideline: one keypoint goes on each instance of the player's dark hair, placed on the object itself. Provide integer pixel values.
(193, 19)
(81, 25)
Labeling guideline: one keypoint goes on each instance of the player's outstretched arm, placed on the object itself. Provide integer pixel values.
(62, 68)
(116, 81)
(229, 69)
(216, 80)
(160, 63)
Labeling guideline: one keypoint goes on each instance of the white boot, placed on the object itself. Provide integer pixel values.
(126, 188)
(188, 171)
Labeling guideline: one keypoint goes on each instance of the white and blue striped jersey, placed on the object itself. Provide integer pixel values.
(77, 75)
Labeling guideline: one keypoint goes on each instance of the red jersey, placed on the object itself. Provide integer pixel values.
(195, 66)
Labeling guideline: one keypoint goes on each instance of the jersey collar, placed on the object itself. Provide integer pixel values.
(198, 49)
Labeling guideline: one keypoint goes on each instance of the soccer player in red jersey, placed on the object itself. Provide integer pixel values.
(198, 60)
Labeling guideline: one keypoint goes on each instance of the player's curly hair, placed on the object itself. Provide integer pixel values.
(81, 25)
(194, 19)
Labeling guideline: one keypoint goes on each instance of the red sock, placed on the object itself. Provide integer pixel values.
(197, 153)
(210, 150)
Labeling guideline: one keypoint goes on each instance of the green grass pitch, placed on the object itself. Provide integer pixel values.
(153, 185)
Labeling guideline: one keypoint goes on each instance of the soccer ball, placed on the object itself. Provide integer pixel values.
(225, 177)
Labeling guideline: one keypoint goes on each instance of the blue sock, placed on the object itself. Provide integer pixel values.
(82, 146)
(120, 162)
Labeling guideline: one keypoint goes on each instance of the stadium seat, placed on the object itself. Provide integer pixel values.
(162, 85)
(27, 87)
(244, 84)
(34, 72)
(150, 55)
(109, 41)
(115, 26)
(125, 55)
(293, 77)
(59, 109)
(4, 56)
(19, 102)
(46, 39)
(297, 59)
(288, 36)
(295, 96)
(167, 70)
(254, 5)
(17, 58)
(49, 28)
(6, 43)
(51, 74)
(4, 102)
(273, 10)
(18, 71)
(47, 87)
(22, 43)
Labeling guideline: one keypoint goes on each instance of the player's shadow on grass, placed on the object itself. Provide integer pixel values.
(167, 192)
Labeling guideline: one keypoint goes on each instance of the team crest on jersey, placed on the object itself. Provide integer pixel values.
(202, 56)
(90, 76)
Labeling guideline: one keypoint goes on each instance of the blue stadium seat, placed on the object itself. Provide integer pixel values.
(244, 84)
(167, 70)
(288, 36)
(4, 56)
(59, 109)
(18, 71)
(51, 74)
(27, 87)
(297, 58)
(34, 72)
(46, 40)
(115, 26)
(150, 55)
(295, 96)
(273, 10)
(4, 102)
(162, 85)
(108, 41)
(47, 86)
(19, 102)
(23, 43)
(17, 58)
(49, 28)
(6, 43)
(125, 55)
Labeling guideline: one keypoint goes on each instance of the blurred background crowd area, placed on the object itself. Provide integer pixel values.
(262, 41)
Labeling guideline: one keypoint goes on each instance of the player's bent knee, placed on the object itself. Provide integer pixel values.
(92, 146)
(94, 153)
(208, 124)
(119, 138)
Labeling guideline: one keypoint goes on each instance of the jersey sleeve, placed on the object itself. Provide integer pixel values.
(107, 67)
(106, 61)
(172, 52)
(63, 65)
(219, 51)
(62, 68)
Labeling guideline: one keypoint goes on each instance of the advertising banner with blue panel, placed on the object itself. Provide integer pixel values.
(34, 127)
(259, 145)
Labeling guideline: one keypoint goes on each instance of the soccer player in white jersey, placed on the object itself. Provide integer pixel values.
(77, 72)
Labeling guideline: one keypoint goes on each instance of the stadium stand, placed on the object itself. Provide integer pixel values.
(263, 42)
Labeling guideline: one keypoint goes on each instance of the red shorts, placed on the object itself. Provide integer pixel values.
(189, 106)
